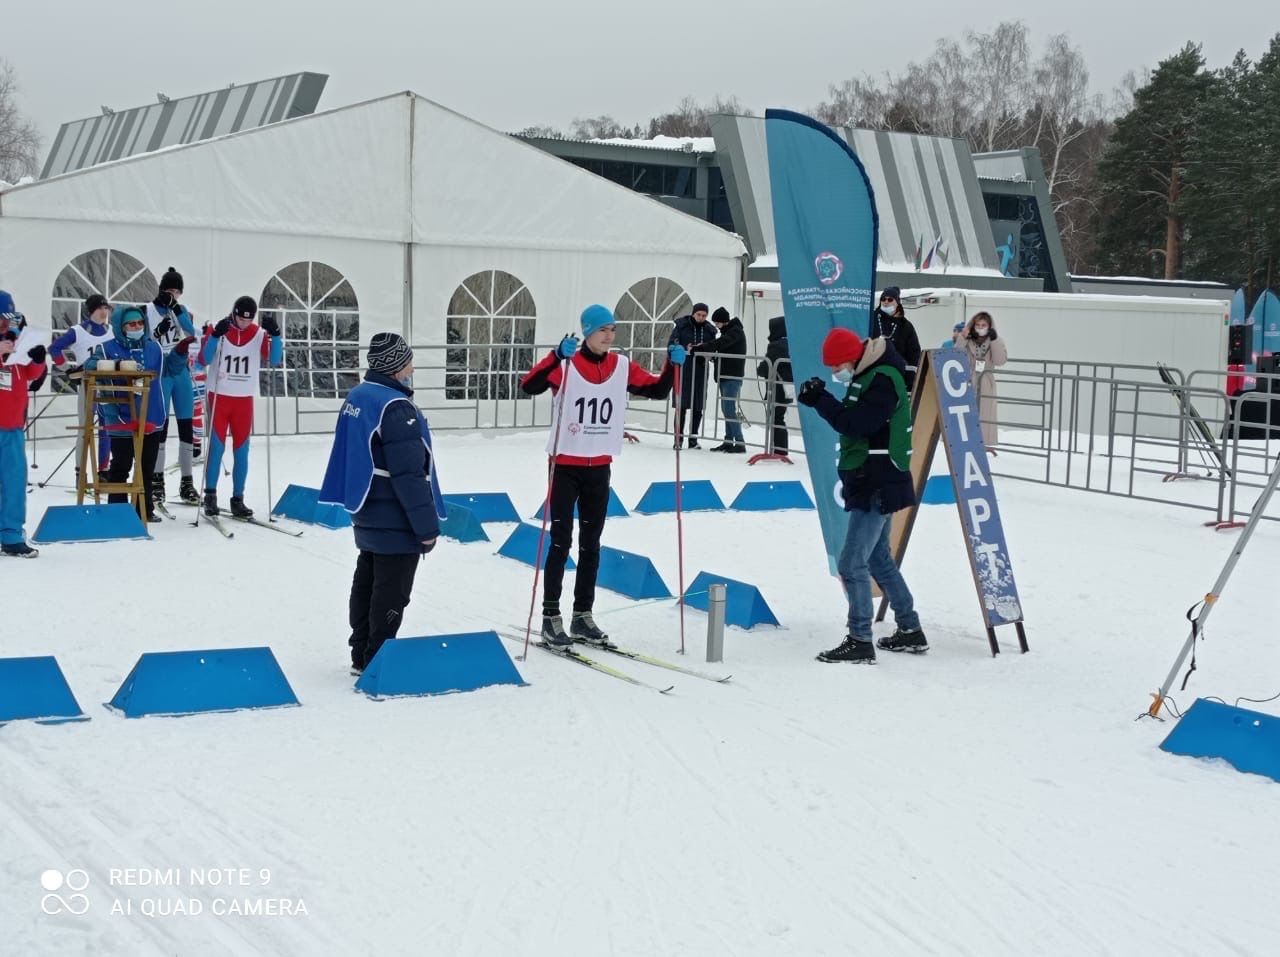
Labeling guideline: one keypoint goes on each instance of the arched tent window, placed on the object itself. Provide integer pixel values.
(645, 315)
(491, 325)
(320, 318)
(108, 272)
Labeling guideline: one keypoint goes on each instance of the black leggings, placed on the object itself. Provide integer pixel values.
(587, 486)
(122, 463)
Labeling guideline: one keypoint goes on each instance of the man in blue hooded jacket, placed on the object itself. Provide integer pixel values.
(381, 470)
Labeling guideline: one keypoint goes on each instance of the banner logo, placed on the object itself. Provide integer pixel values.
(828, 267)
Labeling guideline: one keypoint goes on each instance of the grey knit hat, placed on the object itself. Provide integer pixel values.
(388, 353)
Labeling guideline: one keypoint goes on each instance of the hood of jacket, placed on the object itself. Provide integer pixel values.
(117, 325)
(777, 328)
(879, 352)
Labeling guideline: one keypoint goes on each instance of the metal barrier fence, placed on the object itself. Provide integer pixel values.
(1145, 432)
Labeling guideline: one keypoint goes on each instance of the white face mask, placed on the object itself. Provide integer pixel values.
(842, 376)
(982, 330)
(406, 380)
(134, 334)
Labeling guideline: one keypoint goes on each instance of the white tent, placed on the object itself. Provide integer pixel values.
(442, 229)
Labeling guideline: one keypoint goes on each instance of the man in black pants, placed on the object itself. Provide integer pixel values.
(382, 470)
(592, 410)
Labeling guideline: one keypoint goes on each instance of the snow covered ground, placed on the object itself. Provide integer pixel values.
(946, 804)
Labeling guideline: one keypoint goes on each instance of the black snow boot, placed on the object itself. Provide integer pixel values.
(187, 491)
(553, 632)
(851, 650)
(211, 503)
(909, 641)
(239, 509)
(157, 487)
(584, 629)
(19, 550)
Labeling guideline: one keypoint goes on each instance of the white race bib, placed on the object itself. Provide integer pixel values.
(237, 366)
(592, 414)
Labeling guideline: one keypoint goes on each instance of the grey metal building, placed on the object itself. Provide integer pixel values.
(930, 191)
(169, 122)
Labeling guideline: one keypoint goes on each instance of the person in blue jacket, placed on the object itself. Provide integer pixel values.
(174, 330)
(132, 349)
(381, 469)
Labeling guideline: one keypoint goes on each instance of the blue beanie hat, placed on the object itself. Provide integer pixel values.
(594, 317)
(7, 309)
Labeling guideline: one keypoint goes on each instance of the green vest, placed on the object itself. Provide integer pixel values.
(854, 450)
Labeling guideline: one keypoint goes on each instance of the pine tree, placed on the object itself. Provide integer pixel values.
(1142, 175)
(1223, 173)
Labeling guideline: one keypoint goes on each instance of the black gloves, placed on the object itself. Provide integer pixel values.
(37, 353)
(809, 392)
(271, 324)
(222, 328)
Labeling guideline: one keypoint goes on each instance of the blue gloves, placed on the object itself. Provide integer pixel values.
(677, 354)
(568, 346)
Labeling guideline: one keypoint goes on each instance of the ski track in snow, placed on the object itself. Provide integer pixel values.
(945, 804)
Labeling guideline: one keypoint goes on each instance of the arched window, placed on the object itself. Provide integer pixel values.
(320, 318)
(645, 315)
(490, 334)
(107, 272)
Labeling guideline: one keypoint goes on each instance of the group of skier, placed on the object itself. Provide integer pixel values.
(382, 468)
(156, 337)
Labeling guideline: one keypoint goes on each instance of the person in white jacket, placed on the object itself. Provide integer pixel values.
(987, 351)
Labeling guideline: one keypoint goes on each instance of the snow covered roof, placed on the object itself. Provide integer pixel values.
(685, 144)
(770, 261)
(400, 168)
(1152, 282)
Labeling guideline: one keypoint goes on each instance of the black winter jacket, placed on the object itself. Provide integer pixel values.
(776, 351)
(902, 334)
(729, 349)
(398, 514)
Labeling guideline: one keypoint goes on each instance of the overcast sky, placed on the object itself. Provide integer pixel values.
(517, 63)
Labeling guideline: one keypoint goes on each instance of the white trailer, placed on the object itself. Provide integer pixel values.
(1054, 328)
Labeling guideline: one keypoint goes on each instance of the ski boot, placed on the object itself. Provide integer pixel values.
(913, 642)
(553, 633)
(187, 491)
(851, 650)
(211, 503)
(239, 509)
(19, 550)
(157, 488)
(584, 629)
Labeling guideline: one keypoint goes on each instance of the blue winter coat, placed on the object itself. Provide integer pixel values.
(399, 513)
(148, 355)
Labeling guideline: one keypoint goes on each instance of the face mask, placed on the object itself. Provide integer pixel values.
(406, 381)
(134, 334)
(842, 376)
(981, 330)
(889, 309)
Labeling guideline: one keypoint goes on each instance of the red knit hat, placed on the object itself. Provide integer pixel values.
(841, 346)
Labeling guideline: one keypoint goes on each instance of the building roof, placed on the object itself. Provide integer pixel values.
(399, 169)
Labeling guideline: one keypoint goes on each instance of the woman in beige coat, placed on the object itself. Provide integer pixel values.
(986, 352)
